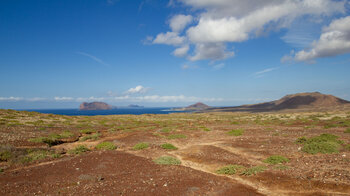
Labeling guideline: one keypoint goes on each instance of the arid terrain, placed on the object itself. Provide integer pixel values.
(289, 153)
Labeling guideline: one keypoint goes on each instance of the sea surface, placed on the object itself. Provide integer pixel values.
(77, 112)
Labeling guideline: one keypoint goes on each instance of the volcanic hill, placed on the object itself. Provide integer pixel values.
(301, 101)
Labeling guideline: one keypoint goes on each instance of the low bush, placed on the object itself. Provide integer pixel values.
(66, 134)
(253, 170)
(5, 155)
(236, 132)
(168, 146)
(87, 131)
(106, 146)
(141, 146)
(325, 143)
(79, 149)
(177, 136)
(91, 137)
(347, 130)
(167, 160)
(230, 169)
(276, 159)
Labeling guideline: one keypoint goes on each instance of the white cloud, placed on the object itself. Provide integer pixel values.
(334, 40)
(169, 38)
(213, 51)
(182, 51)
(137, 89)
(178, 22)
(11, 98)
(229, 21)
(63, 98)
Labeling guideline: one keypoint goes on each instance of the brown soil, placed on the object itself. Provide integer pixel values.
(206, 148)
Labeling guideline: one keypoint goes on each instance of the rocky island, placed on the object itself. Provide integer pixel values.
(95, 106)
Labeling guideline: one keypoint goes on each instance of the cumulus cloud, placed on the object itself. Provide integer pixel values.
(169, 38)
(213, 51)
(178, 22)
(182, 51)
(334, 40)
(220, 22)
(137, 89)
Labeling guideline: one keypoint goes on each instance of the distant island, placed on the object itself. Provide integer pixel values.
(194, 107)
(134, 106)
(95, 106)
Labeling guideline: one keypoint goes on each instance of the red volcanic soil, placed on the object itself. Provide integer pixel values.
(115, 173)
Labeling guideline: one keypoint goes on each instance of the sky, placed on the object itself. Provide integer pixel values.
(167, 53)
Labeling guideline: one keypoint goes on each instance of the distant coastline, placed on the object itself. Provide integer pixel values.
(117, 111)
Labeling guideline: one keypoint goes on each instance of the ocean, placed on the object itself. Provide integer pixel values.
(77, 112)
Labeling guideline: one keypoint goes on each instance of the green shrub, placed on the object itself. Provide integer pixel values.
(347, 147)
(34, 155)
(141, 146)
(37, 139)
(168, 146)
(105, 146)
(301, 140)
(325, 143)
(347, 130)
(321, 147)
(206, 129)
(79, 149)
(253, 170)
(177, 136)
(91, 137)
(167, 160)
(166, 130)
(236, 132)
(87, 131)
(276, 159)
(66, 134)
(229, 169)
(5, 155)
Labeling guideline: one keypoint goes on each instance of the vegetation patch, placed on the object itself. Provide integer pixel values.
(66, 134)
(167, 160)
(230, 169)
(36, 155)
(95, 136)
(168, 146)
(141, 146)
(166, 130)
(106, 146)
(79, 149)
(281, 167)
(87, 131)
(325, 143)
(236, 132)
(5, 155)
(253, 170)
(347, 130)
(177, 136)
(276, 159)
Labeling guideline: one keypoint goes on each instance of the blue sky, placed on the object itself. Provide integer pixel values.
(59, 53)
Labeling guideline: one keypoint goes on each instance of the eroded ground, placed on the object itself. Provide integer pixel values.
(54, 154)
